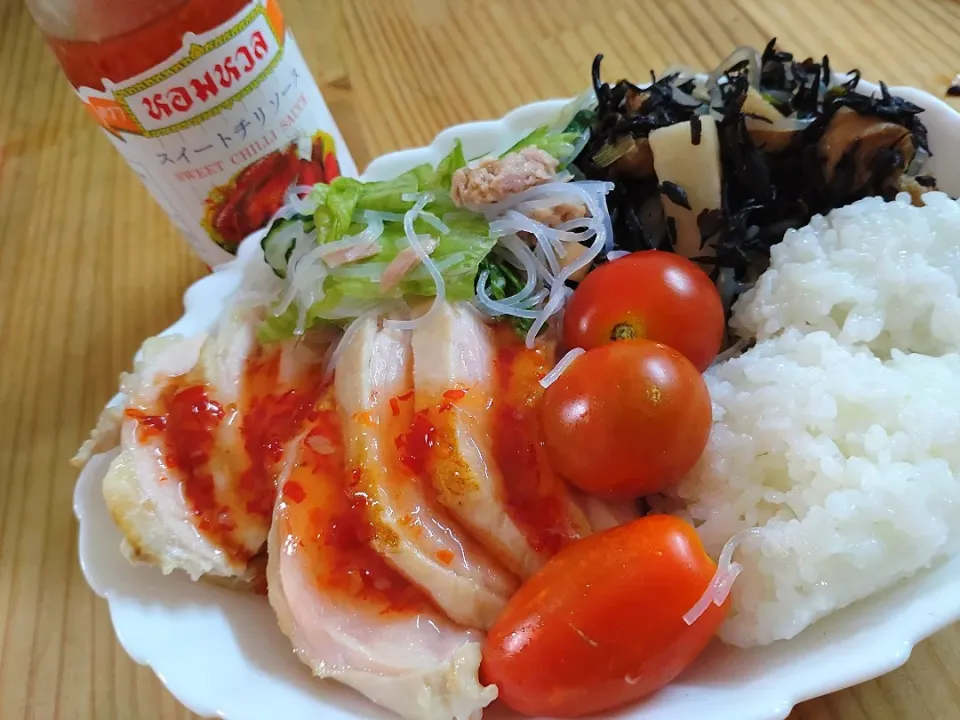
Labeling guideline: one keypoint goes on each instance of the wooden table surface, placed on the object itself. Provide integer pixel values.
(89, 266)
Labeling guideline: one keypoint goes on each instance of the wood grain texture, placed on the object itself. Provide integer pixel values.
(89, 266)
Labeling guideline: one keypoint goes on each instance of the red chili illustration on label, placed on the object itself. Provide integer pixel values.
(248, 201)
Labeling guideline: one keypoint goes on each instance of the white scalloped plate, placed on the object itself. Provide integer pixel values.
(221, 654)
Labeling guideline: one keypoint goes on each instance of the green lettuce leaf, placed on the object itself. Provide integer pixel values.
(387, 195)
(280, 327)
(457, 257)
(335, 215)
(564, 138)
(283, 326)
(453, 161)
(354, 288)
(559, 145)
(357, 285)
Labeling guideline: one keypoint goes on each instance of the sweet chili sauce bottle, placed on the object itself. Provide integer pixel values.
(210, 102)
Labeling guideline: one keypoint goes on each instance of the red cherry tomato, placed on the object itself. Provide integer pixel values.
(626, 419)
(602, 623)
(652, 294)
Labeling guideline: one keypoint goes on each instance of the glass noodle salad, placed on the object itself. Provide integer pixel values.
(505, 232)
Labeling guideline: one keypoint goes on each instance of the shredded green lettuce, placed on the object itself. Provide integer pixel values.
(457, 256)
(559, 145)
(351, 289)
(342, 198)
(454, 160)
(387, 195)
(354, 288)
(335, 214)
(281, 327)
(564, 138)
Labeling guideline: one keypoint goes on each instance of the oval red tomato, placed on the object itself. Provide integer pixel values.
(626, 419)
(651, 294)
(602, 623)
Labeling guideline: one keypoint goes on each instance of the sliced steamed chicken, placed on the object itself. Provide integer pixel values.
(350, 615)
(141, 491)
(194, 484)
(474, 393)
(605, 514)
(414, 534)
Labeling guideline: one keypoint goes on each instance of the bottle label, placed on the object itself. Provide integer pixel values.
(220, 130)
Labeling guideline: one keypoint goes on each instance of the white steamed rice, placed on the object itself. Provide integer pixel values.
(843, 449)
(884, 274)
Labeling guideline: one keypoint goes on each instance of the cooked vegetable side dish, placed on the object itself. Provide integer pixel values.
(540, 425)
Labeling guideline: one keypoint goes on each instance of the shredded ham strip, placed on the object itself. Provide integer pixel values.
(405, 261)
(357, 251)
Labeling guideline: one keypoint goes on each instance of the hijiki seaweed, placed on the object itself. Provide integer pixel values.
(794, 141)
(954, 89)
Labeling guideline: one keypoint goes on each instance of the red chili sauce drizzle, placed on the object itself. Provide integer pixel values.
(271, 418)
(414, 445)
(186, 421)
(536, 498)
(331, 517)
(414, 436)
(428, 440)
